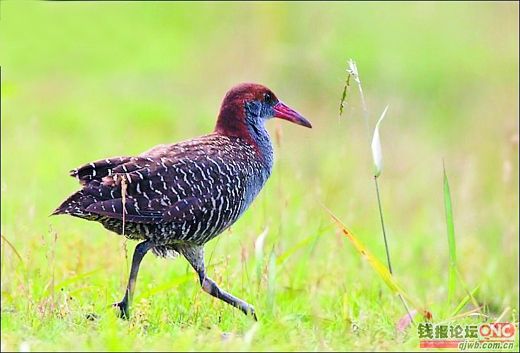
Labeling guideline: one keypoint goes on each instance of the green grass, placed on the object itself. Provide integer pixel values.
(450, 231)
(86, 81)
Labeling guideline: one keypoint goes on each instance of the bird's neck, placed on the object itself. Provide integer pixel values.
(262, 142)
(249, 127)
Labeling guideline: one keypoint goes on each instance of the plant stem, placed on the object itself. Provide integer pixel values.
(383, 225)
(353, 71)
(406, 308)
(386, 246)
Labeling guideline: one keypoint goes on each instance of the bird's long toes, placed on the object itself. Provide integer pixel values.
(122, 311)
(250, 311)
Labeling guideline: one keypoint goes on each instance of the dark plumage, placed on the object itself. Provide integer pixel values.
(177, 197)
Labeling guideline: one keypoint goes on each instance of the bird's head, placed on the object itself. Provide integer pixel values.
(248, 105)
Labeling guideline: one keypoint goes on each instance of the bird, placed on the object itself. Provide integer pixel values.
(174, 198)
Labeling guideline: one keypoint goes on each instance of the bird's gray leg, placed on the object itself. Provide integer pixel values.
(124, 305)
(195, 256)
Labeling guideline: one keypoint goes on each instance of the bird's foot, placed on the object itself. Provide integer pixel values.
(123, 309)
(250, 311)
(92, 316)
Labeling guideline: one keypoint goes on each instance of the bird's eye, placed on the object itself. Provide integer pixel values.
(268, 98)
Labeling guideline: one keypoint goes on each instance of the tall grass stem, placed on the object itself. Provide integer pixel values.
(383, 225)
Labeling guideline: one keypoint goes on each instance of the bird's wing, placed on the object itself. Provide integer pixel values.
(98, 169)
(157, 189)
(184, 209)
(129, 167)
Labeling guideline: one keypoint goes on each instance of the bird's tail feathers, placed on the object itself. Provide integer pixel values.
(75, 204)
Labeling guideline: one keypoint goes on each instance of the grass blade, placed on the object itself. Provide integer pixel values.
(14, 250)
(464, 301)
(271, 281)
(259, 255)
(378, 267)
(452, 272)
(298, 246)
(465, 288)
(176, 281)
(70, 280)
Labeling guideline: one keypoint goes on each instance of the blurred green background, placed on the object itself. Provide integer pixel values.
(84, 81)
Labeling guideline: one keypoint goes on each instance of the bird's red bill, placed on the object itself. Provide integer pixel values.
(282, 111)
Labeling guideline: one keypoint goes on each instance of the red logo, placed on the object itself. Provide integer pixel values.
(497, 330)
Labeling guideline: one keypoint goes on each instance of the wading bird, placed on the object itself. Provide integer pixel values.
(175, 198)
